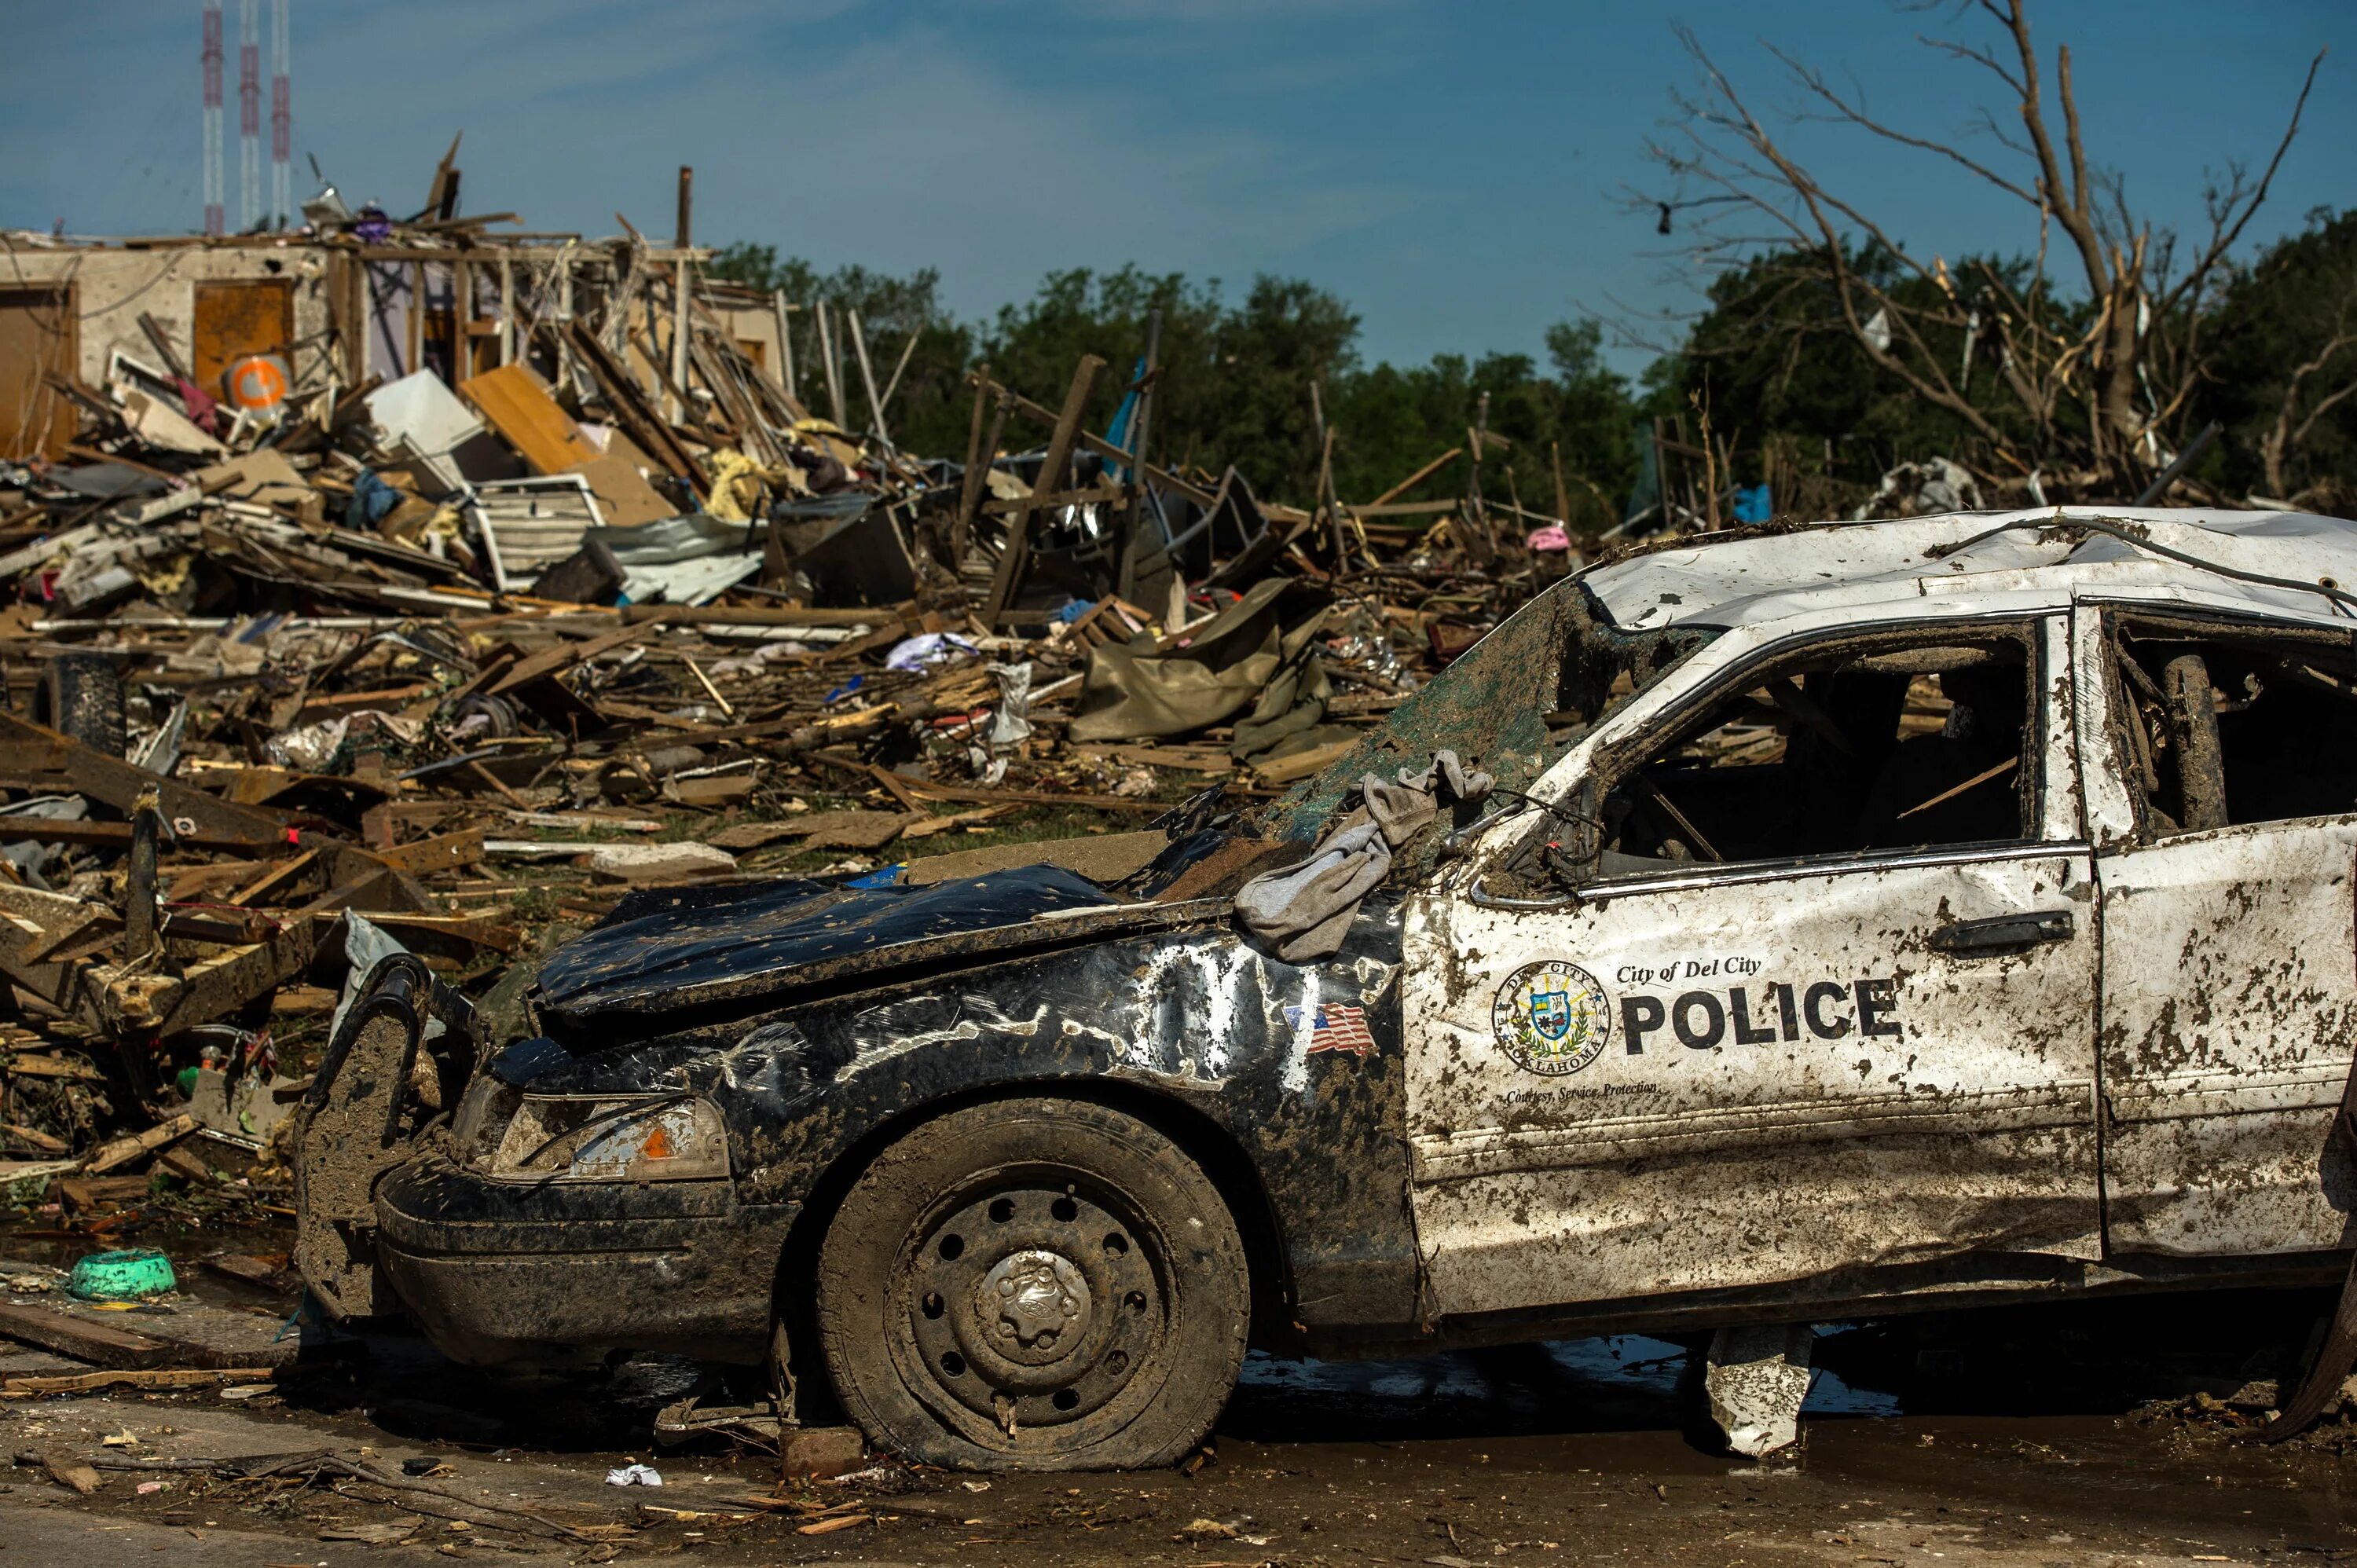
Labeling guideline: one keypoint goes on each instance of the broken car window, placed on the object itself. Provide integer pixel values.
(1888, 745)
(2219, 730)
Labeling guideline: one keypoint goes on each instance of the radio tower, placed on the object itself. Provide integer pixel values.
(249, 116)
(213, 116)
(281, 119)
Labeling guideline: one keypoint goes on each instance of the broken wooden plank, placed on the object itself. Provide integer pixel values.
(1008, 576)
(117, 835)
(88, 771)
(123, 1151)
(152, 1379)
(518, 404)
(447, 852)
(1183, 758)
(136, 1001)
(84, 1340)
(53, 1067)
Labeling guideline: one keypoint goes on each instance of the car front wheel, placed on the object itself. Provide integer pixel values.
(1036, 1284)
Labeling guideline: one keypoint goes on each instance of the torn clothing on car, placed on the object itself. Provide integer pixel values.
(1303, 911)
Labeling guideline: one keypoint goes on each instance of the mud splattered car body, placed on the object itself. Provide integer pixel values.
(1867, 916)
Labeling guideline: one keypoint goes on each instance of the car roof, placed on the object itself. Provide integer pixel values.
(1731, 580)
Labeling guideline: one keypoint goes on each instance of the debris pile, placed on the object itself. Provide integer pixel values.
(326, 666)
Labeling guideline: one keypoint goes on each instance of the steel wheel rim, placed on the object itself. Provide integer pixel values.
(1032, 1300)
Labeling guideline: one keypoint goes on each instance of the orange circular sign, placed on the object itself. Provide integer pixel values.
(257, 381)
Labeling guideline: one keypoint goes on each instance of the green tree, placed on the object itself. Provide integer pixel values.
(2283, 365)
(1235, 381)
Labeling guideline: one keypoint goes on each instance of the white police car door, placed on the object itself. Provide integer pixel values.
(1838, 1010)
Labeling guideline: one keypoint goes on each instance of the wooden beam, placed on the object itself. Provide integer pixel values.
(1375, 506)
(831, 362)
(679, 342)
(971, 501)
(1162, 478)
(1012, 559)
(507, 312)
(971, 486)
(868, 377)
(1097, 495)
(785, 347)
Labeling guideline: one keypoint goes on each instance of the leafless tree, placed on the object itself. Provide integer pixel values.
(2103, 376)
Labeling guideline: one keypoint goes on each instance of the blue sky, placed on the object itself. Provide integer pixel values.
(1450, 169)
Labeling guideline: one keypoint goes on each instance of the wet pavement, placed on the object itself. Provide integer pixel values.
(2063, 1434)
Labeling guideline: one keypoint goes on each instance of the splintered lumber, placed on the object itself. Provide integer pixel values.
(88, 771)
(517, 403)
(447, 852)
(1015, 556)
(84, 1340)
(1163, 477)
(150, 1380)
(123, 1151)
(640, 420)
(54, 1067)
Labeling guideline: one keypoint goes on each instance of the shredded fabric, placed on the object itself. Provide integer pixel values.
(1304, 911)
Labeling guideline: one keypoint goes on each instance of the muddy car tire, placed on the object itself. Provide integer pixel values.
(1034, 1284)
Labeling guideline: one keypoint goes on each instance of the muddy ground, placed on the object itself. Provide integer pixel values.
(2095, 1433)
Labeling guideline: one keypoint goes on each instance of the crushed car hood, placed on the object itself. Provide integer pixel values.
(682, 953)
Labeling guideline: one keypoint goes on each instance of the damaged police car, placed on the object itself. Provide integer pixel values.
(1858, 919)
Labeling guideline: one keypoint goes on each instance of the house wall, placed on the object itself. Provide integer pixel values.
(111, 287)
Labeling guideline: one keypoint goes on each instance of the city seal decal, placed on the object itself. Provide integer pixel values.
(1551, 1017)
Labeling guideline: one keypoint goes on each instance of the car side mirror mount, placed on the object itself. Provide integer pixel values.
(1577, 844)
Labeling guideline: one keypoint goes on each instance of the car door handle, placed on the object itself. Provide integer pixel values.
(2000, 932)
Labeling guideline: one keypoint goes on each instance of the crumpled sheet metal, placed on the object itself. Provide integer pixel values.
(1861, 566)
(1299, 1063)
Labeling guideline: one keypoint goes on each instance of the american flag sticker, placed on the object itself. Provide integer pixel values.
(1336, 1029)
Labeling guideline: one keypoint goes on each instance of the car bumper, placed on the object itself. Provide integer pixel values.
(497, 1271)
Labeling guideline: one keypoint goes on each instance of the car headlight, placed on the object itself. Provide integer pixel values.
(612, 1137)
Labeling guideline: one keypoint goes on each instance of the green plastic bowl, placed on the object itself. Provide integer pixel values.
(122, 1276)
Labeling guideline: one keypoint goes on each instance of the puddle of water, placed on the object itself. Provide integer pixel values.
(1619, 1381)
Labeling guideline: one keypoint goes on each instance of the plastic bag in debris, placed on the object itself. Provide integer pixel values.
(915, 655)
(1303, 912)
(307, 750)
(634, 1476)
(1010, 725)
(765, 653)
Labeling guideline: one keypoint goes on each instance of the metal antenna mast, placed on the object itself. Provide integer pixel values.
(249, 115)
(213, 116)
(282, 120)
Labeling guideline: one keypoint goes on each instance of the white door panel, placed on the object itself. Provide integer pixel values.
(2230, 996)
(1792, 1078)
